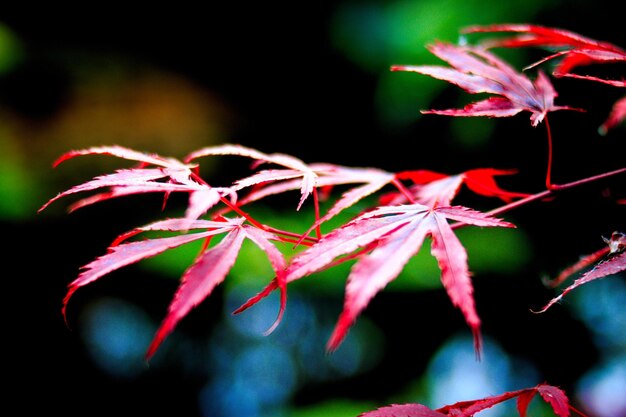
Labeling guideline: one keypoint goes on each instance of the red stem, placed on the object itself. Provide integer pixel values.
(549, 170)
(261, 226)
(398, 184)
(291, 234)
(318, 230)
(553, 190)
(243, 213)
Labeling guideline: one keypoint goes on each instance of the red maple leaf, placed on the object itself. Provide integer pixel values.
(576, 50)
(608, 261)
(476, 70)
(207, 271)
(555, 397)
(432, 188)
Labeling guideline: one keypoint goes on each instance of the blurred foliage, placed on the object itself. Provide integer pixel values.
(17, 188)
(11, 50)
(78, 99)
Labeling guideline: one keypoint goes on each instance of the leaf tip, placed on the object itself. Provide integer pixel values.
(547, 306)
(478, 343)
(281, 311)
(346, 319)
(396, 68)
(66, 299)
(160, 335)
(256, 298)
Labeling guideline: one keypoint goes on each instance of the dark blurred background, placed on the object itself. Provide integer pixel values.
(311, 80)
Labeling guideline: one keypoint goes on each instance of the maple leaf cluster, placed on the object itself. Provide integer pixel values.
(574, 51)
(382, 239)
(413, 206)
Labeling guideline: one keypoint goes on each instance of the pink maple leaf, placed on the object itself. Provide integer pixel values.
(372, 180)
(477, 70)
(298, 175)
(610, 260)
(329, 176)
(577, 50)
(392, 235)
(295, 168)
(169, 175)
(207, 271)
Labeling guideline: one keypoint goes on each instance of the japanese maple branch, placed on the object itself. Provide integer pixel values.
(396, 182)
(547, 193)
(553, 190)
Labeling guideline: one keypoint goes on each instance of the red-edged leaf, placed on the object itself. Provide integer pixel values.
(123, 182)
(374, 271)
(455, 276)
(201, 197)
(328, 176)
(612, 263)
(202, 200)
(307, 183)
(584, 262)
(136, 180)
(616, 116)
(210, 269)
(126, 254)
(556, 398)
(119, 178)
(356, 234)
(287, 161)
(476, 70)
(198, 282)
(178, 225)
(295, 167)
(403, 410)
(331, 175)
(126, 153)
(262, 239)
(439, 192)
(114, 192)
(397, 233)
(576, 50)
(611, 266)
